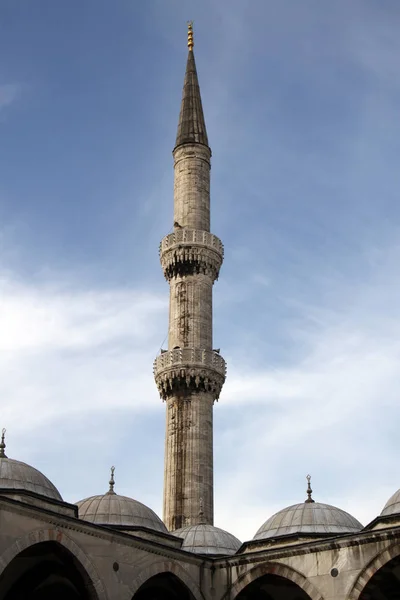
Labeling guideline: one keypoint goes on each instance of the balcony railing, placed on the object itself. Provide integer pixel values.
(189, 358)
(191, 237)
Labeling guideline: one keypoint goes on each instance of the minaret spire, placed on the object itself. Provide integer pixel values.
(190, 374)
(191, 126)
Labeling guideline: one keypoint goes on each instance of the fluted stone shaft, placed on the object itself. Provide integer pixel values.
(192, 186)
(190, 308)
(188, 476)
(190, 374)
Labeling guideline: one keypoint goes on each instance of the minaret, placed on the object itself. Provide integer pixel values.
(190, 374)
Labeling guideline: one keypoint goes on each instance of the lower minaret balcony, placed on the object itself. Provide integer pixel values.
(188, 251)
(188, 370)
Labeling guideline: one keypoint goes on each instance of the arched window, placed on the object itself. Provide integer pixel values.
(164, 586)
(46, 571)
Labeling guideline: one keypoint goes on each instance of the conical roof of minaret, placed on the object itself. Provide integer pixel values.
(191, 126)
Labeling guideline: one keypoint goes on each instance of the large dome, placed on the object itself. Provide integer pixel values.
(308, 518)
(392, 506)
(121, 511)
(16, 475)
(207, 539)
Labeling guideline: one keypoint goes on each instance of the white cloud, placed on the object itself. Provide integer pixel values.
(332, 412)
(65, 350)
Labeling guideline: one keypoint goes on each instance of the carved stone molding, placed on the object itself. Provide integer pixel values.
(189, 251)
(186, 370)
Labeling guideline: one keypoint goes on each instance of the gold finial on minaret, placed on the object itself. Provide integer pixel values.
(190, 35)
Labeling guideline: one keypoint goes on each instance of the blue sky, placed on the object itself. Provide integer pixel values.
(301, 102)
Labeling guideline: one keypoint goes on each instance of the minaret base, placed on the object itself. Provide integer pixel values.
(188, 476)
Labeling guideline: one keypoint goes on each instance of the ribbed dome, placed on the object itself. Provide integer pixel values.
(16, 475)
(113, 509)
(207, 539)
(308, 518)
(392, 506)
(121, 511)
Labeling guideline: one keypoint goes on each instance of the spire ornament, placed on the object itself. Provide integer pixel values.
(190, 35)
(309, 490)
(111, 482)
(3, 444)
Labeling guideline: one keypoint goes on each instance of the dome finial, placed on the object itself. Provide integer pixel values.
(3, 444)
(309, 490)
(190, 35)
(111, 482)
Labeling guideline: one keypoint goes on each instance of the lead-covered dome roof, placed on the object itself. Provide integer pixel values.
(392, 506)
(17, 475)
(111, 509)
(207, 539)
(308, 518)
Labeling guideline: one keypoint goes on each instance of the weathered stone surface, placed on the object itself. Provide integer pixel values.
(192, 187)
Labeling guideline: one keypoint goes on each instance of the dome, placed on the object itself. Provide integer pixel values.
(308, 518)
(113, 509)
(207, 539)
(392, 506)
(16, 475)
(121, 511)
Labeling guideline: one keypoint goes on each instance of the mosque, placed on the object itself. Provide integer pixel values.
(110, 547)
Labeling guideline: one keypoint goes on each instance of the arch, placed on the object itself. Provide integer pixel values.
(166, 567)
(59, 536)
(380, 560)
(273, 568)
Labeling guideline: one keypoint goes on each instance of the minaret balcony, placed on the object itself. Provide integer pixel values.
(189, 251)
(186, 370)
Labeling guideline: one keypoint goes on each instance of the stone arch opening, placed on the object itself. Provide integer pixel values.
(164, 586)
(45, 571)
(272, 587)
(385, 583)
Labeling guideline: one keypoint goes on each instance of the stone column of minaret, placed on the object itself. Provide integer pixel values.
(191, 373)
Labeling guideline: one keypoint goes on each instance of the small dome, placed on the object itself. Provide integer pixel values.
(16, 475)
(392, 506)
(207, 539)
(111, 509)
